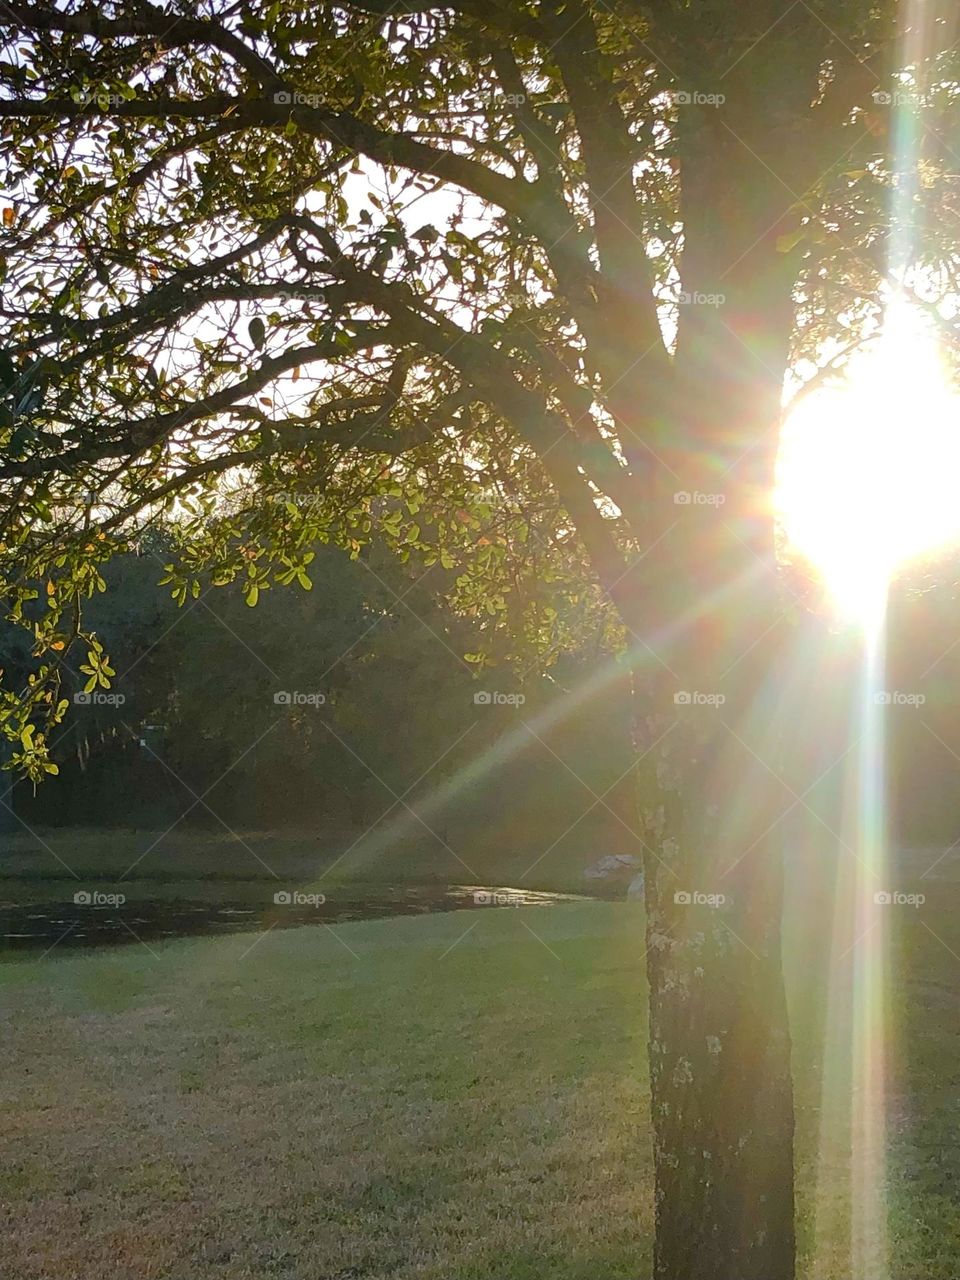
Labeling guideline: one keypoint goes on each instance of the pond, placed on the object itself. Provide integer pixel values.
(94, 918)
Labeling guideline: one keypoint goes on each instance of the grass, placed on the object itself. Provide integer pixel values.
(383, 1102)
(458, 1095)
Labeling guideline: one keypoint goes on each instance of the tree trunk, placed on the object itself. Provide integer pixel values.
(719, 1045)
(711, 706)
(720, 1071)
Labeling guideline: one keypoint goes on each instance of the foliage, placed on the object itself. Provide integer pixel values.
(289, 274)
(383, 708)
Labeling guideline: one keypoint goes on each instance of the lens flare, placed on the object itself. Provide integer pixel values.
(867, 482)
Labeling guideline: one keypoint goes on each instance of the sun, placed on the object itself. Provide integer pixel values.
(869, 472)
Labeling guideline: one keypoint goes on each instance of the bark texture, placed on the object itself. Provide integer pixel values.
(710, 720)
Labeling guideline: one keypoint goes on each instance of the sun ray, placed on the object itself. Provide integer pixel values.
(867, 483)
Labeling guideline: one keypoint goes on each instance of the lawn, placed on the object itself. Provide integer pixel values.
(452, 1096)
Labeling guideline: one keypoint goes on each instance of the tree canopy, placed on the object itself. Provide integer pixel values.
(470, 274)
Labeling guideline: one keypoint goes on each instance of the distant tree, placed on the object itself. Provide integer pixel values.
(500, 280)
(371, 664)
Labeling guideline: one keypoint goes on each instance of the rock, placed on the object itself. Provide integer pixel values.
(635, 887)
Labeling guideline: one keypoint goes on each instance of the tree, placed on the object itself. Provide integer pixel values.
(519, 284)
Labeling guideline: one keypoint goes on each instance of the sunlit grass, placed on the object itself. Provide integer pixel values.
(429, 1103)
